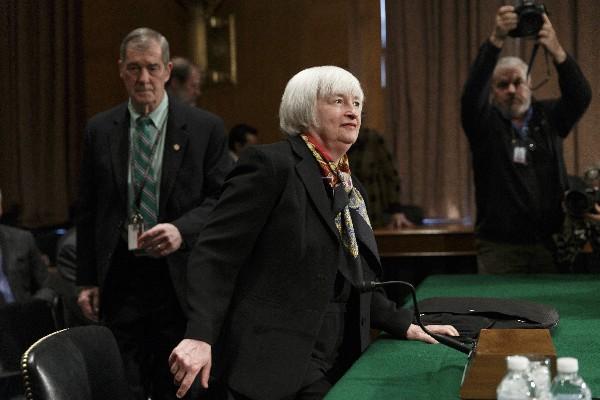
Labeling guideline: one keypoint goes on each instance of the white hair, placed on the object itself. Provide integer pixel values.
(511, 62)
(298, 103)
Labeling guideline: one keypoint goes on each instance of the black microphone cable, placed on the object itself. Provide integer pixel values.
(448, 341)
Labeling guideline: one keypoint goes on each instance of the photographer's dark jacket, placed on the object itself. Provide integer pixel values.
(518, 203)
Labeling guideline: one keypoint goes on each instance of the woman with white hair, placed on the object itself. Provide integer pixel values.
(274, 278)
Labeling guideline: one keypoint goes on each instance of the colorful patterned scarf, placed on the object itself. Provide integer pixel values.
(336, 173)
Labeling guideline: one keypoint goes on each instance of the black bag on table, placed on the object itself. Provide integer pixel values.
(471, 314)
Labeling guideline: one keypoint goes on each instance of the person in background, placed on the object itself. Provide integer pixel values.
(184, 84)
(276, 280)
(240, 137)
(372, 164)
(582, 223)
(66, 265)
(516, 148)
(152, 170)
(23, 273)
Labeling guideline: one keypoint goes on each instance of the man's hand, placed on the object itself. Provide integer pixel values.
(399, 221)
(594, 217)
(188, 359)
(415, 332)
(161, 240)
(506, 21)
(89, 302)
(547, 38)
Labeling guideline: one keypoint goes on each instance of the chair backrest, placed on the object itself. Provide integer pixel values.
(81, 363)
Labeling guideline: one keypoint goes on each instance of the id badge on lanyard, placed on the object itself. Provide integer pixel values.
(135, 228)
(520, 155)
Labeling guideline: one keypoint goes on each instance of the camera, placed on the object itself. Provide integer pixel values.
(530, 18)
(583, 194)
(579, 202)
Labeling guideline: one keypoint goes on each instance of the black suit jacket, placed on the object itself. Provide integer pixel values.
(195, 162)
(23, 265)
(263, 272)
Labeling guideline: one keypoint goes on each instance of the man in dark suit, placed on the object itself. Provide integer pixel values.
(152, 169)
(66, 266)
(23, 274)
(240, 137)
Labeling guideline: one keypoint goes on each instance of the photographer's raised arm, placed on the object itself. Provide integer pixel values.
(506, 21)
(547, 38)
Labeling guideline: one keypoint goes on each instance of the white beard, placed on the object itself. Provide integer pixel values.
(513, 111)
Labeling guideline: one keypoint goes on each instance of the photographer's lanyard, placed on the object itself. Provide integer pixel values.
(530, 66)
(519, 148)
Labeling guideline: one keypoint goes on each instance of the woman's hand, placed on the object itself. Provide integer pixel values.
(415, 332)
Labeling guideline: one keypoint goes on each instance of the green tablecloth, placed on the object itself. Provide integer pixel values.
(397, 369)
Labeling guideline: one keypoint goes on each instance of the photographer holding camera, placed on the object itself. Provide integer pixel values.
(516, 145)
(582, 223)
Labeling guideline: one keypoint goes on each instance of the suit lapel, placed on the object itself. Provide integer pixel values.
(364, 233)
(176, 141)
(118, 143)
(308, 171)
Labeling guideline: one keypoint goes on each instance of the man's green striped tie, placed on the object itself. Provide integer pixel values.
(143, 173)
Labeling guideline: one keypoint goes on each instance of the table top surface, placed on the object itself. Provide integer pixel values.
(399, 369)
(426, 240)
(448, 229)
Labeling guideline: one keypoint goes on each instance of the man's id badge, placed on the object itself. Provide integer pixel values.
(135, 228)
(520, 155)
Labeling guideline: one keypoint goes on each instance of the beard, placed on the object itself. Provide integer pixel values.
(513, 109)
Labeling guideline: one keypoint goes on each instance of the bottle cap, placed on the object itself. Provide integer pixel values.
(567, 365)
(517, 363)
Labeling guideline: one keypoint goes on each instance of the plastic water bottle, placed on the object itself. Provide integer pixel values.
(539, 369)
(568, 385)
(517, 383)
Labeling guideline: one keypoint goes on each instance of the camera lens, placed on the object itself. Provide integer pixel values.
(578, 202)
(530, 19)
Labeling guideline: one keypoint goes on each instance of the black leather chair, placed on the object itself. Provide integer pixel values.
(80, 363)
(21, 324)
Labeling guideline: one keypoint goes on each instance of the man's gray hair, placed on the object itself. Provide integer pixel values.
(299, 100)
(510, 62)
(141, 38)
